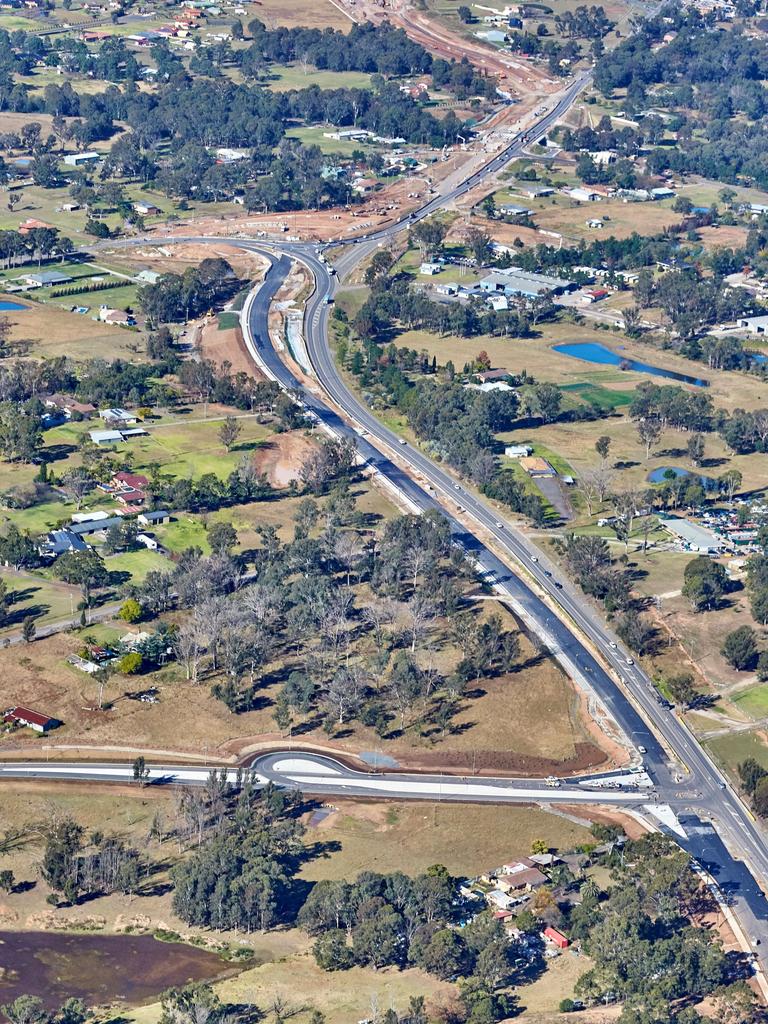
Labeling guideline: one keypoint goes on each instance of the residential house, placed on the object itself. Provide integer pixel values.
(107, 315)
(45, 279)
(31, 719)
(70, 406)
(120, 416)
(148, 540)
(604, 157)
(58, 542)
(104, 438)
(518, 451)
(130, 489)
(484, 376)
(92, 526)
(537, 191)
(82, 159)
(147, 209)
(447, 288)
(430, 269)
(154, 518)
(32, 224)
(512, 210)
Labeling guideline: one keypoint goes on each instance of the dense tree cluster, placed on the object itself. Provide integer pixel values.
(188, 295)
(240, 874)
(712, 82)
(74, 866)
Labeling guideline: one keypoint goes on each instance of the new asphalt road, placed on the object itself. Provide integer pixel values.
(684, 776)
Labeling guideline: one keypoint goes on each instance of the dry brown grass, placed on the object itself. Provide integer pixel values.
(465, 838)
(48, 330)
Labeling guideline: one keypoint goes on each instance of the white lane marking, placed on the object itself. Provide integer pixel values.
(303, 764)
(429, 789)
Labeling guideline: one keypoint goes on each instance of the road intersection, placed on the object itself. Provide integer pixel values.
(715, 826)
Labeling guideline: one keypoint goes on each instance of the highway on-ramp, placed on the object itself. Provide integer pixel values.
(683, 774)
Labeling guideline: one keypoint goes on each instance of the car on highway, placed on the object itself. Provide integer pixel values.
(548, 574)
(612, 644)
(558, 584)
(534, 558)
(402, 441)
(457, 487)
(641, 749)
(499, 526)
(630, 661)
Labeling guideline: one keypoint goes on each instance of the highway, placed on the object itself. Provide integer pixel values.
(319, 775)
(689, 783)
(683, 774)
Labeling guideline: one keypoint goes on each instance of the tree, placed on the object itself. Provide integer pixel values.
(130, 664)
(479, 243)
(704, 583)
(760, 797)
(465, 14)
(83, 568)
(7, 880)
(730, 482)
(740, 648)
(649, 431)
(696, 449)
(28, 628)
(130, 611)
(331, 951)
(77, 483)
(140, 771)
(222, 536)
(25, 1010)
(682, 688)
(603, 447)
(229, 431)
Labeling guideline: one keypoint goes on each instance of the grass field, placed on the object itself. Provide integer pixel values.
(304, 13)
(291, 76)
(753, 702)
(314, 137)
(731, 750)
(35, 595)
(410, 837)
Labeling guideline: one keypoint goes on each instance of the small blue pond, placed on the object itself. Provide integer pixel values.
(7, 307)
(594, 352)
(663, 473)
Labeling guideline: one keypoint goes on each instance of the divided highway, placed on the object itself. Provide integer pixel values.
(684, 776)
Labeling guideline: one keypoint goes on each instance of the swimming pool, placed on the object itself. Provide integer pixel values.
(594, 352)
(7, 307)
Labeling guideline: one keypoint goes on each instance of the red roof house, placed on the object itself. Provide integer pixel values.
(30, 719)
(555, 937)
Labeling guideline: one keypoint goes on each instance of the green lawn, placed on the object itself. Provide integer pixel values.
(43, 599)
(184, 532)
(138, 563)
(596, 394)
(314, 137)
(753, 702)
(291, 76)
(731, 750)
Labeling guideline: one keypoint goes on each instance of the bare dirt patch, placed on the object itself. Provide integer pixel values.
(282, 456)
(226, 346)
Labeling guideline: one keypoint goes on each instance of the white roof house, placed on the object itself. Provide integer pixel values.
(754, 324)
(430, 268)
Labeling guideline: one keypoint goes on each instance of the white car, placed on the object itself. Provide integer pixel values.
(402, 441)
(499, 526)
(457, 487)
(630, 661)
(534, 558)
(612, 644)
